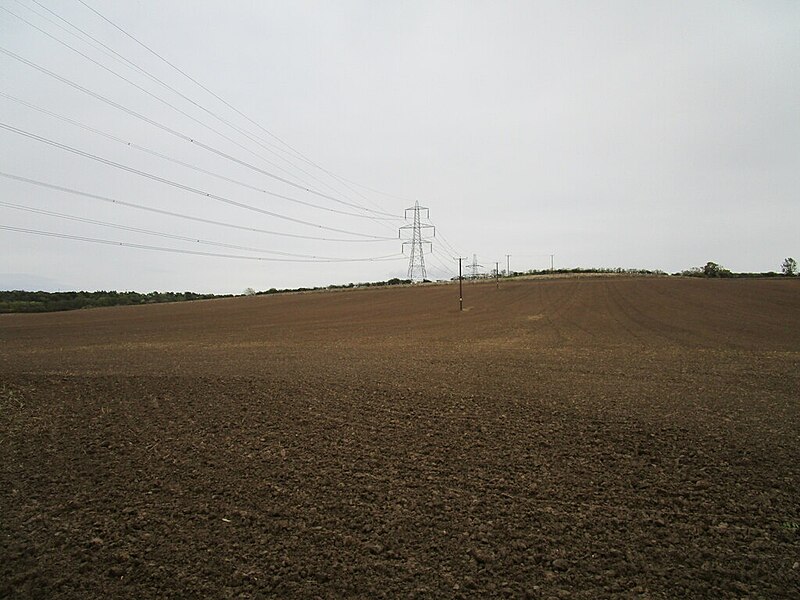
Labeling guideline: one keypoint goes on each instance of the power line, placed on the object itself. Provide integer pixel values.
(446, 271)
(172, 106)
(140, 88)
(297, 154)
(374, 191)
(448, 245)
(180, 215)
(173, 236)
(64, 29)
(179, 185)
(180, 251)
(174, 132)
(180, 162)
(189, 77)
(197, 83)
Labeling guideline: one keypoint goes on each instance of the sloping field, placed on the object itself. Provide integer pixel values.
(585, 438)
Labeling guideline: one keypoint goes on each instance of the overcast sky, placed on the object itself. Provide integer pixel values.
(655, 135)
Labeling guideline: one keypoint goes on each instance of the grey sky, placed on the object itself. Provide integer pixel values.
(635, 134)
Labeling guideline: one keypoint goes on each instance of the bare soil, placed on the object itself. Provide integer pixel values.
(571, 438)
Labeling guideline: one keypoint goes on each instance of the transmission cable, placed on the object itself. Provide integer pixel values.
(173, 236)
(64, 29)
(442, 266)
(179, 215)
(180, 251)
(180, 185)
(180, 162)
(259, 140)
(445, 242)
(296, 152)
(175, 108)
(174, 132)
(448, 246)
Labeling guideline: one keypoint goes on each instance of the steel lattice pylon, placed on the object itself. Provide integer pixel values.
(474, 267)
(416, 262)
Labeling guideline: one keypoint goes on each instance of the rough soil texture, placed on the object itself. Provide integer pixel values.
(573, 438)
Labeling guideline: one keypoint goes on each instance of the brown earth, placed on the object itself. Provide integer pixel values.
(616, 437)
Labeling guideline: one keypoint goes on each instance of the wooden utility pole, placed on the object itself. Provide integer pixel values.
(497, 274)
(460, 286)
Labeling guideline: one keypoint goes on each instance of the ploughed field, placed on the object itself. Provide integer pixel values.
(585, 438)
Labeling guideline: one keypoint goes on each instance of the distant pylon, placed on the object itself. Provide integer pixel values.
(416, 262)
(474, 267)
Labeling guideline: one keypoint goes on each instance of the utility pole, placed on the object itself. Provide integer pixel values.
(460, 286)
(416, 262)
(551, 262)
(497, 275)
(508, 265)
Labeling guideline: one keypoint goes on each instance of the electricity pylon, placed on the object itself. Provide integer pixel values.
(474, 267)
(416, 262)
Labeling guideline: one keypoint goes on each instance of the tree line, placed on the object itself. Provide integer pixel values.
(344, 286)
(714, 270)
(19, 301)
